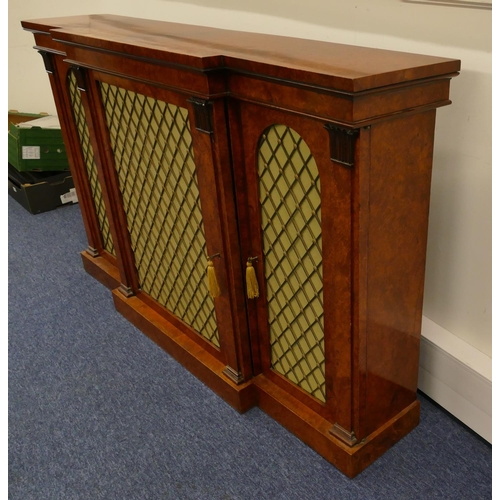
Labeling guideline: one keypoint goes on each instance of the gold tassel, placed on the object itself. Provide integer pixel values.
(213, 286)
(252, 284)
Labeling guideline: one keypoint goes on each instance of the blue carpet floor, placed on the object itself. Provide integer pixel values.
(98, 411)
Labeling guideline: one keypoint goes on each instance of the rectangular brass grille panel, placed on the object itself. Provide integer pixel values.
(90, 165)
(289, 192)
(152, 146)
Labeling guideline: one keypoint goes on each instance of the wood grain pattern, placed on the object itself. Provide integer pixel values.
(401, 160)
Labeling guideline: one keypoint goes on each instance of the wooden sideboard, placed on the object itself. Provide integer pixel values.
(299, 167)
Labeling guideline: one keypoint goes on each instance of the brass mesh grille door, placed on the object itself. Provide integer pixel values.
(289, 193)
(90, 165)
(152, 147)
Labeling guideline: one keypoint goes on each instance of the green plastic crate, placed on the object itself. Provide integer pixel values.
(37, 148)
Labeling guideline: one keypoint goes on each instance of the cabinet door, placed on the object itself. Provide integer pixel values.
(104, 241)
(295, 220)
(160, 178)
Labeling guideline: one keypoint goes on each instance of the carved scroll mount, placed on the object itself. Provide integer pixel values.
(342, 144)
(47, 61)
(80, 75)
(202, 115)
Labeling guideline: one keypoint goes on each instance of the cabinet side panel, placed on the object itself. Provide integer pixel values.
(399, 184)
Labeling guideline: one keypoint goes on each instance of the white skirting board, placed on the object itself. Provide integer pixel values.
(456, 376)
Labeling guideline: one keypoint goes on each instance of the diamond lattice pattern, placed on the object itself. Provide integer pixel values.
(289, 191)
(90, 165)
(152, 146)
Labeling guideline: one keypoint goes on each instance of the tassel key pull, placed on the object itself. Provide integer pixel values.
(213, 285)
(252, 283)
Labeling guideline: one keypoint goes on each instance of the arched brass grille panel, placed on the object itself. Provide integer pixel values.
(289, 192)
(90, 165)
(152, 146)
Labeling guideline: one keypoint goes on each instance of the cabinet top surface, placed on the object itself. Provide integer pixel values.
(331, 65)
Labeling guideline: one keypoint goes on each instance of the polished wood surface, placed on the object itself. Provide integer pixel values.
(368, 117)
(396, 254)
(342, 67)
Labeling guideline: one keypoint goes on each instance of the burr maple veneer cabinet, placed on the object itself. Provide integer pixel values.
(302, 165)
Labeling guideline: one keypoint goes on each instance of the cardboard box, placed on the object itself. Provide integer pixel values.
(37, 145)
(18, 117)
(41, 191)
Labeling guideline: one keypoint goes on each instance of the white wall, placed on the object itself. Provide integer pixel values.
(458, 279)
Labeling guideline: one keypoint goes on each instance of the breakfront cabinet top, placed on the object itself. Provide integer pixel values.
(333, 66)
